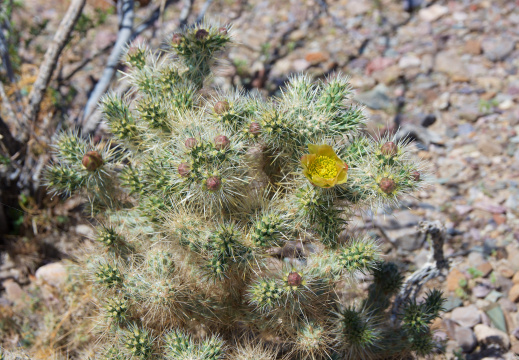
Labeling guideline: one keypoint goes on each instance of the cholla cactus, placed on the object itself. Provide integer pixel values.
(202, 192)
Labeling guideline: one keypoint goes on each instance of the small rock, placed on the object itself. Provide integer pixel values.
(452, 302)
(463, 210)
(486, 205)
(450, 63)
(300, 65)
(485, 269)
(473, 46)
(409, 61)
(433, 13)
(378, 64)
(507, 305)
(442, 102)
(376, 99)
(466, 316)
(317, 57)
(516, 333)
(497, 48)
(480, 291)
(515, 279)
(358, 7)
(85, 230)
(506, 272)
(53, 274)
(454, 278)
(466, 339)
(513, 295)
(428, 120)
(13, 291)
(489, 336)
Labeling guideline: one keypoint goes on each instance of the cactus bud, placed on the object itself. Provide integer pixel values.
(221, 142)
(133, 51)
(221, 106)
(176, 39)
(415, 175)
(92, 161)
(294, 279)
(254, 128)
(387, 185)
(222, 30)
(213, 183)
(184, 169)
(190, 143)
(201, 34)
(389, 149)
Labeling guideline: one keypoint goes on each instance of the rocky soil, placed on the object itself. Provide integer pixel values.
(444, 73)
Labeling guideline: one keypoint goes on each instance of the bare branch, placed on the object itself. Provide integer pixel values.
(50, 59)
(123, 37)
(185, 12)
(430, 270)
(200, 16)
(4, 53)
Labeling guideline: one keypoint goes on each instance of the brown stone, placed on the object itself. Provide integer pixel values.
(316, 57)
(513, 295)
(473, 46)
(13, 291)
(506, 272)
(500, 219)
(453, 279)
(515, 279)
(485, 268)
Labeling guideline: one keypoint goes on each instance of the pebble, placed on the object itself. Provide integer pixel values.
(13, 291)
(497, 48)
(485, 268)
(433, 13)
(480, 291)
(442, 102)
(466, 339)
(409, 61)
(466, 316)
(376, 99)
(513, 295)
(515, 278)
(53, 274)
(489, 336)
(453, 279)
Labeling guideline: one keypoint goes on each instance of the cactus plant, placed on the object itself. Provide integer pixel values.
(223, 216)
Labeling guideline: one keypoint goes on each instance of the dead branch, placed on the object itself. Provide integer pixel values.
(430, 270)
(123, 37)
(4, 53)
(50, 59)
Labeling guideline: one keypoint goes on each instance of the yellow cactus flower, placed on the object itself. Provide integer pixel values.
(323, 167)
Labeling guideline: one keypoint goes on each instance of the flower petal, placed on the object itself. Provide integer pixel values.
(313, 148)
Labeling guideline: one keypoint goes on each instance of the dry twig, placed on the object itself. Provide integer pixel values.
(430, 270)
(50, 59)
(123, 37)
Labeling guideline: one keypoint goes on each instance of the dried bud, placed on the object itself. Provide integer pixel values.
(294, 279)
(387, 185)
(415, 175)
(221, 106)
(184, 169)
(254, 128)
(190, 143)
(213, 183)
(92, 161)
(389, 149)
(176, 39)
(221, 142)
(222, 30)
(201, 34)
